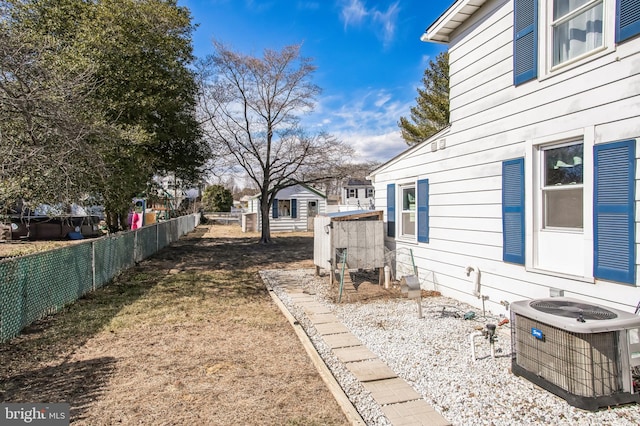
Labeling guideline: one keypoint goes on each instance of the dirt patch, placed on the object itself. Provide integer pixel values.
(189, 336)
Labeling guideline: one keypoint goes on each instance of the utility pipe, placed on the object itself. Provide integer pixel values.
(476, 279)
(472, 338)
(387, 276)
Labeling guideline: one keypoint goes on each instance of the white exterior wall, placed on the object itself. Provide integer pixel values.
(492, 121)
(360, 202)
(288, 224)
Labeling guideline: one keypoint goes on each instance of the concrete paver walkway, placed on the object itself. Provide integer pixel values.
(400, 403)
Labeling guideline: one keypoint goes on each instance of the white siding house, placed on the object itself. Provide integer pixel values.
(358, 194)
(293, 209)
(534, 182)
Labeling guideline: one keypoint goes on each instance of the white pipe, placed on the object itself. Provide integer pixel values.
(472, 337)
(387, 276)
(476, 279)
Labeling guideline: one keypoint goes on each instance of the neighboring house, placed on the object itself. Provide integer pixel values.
(358, 194)
(293, 208)
(534, 181)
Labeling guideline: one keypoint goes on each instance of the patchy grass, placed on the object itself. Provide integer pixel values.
(22, 248)
(190, 336)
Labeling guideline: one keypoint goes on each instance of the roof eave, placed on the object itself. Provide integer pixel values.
(440, 31)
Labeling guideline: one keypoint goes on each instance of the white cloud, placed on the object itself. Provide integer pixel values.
(353, 12)
(388, 22)
(378, 147)
(383, 24)
(367, 121)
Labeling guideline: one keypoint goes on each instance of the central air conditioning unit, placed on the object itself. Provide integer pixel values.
(585, 353)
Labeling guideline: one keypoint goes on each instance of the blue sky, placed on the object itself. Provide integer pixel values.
(368, 52)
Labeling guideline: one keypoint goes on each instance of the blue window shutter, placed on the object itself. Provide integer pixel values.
(294, 208)
(513, 211)
(525, 41)
(423, 210)
(614, 211)
(627, 19)
(391, 210)
(274, 209)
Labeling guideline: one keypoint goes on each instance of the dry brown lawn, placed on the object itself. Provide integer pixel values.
(187, 337)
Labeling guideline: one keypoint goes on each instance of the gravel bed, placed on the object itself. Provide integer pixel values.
(433, 354)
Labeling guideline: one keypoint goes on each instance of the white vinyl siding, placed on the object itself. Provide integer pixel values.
(493, 121)
(298, 198)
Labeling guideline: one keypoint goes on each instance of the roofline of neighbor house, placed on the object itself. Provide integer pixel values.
(310, 188)
(450, 20)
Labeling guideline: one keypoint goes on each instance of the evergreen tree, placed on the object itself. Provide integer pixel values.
(217, 198)
(431, 114)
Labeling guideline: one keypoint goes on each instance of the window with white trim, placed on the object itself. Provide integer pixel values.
(408, 213)
(562, 204)
(551, 36)
(369, 193)
(576, 29)
(352, 193)
(284, 208)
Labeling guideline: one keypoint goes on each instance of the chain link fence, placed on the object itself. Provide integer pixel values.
(40, 284)
(402, 263)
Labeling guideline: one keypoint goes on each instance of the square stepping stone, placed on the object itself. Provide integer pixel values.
(301, 298)
(354, 353)
(341, 340)
(314, 308)
(331, 328)
(322, 318)
(413, 413)
(369, 370)
(391, 391)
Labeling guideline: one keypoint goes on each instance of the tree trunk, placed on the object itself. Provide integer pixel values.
(266, 229)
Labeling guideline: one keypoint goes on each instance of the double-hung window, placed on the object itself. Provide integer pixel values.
(413, 210)
(576, 29)
(285, 208)
(578, 199)
(408, 214)
(554, 35)
(369, 193)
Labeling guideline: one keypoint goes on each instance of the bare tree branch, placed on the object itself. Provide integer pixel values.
(250, 109)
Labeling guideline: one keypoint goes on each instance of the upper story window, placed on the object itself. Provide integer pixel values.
(551, 36)
(369, 193)
(352, 193)
(576, 28)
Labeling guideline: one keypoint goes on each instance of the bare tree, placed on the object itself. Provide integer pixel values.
(251, 114)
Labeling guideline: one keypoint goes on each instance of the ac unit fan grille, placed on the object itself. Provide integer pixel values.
(572, 309)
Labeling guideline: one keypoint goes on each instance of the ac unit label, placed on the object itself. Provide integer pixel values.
(537, 333)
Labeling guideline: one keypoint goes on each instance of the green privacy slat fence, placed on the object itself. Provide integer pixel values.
(39, 284)
(113, 254)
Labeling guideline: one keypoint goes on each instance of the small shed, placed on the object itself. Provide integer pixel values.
(360, 233)
(293, 209)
